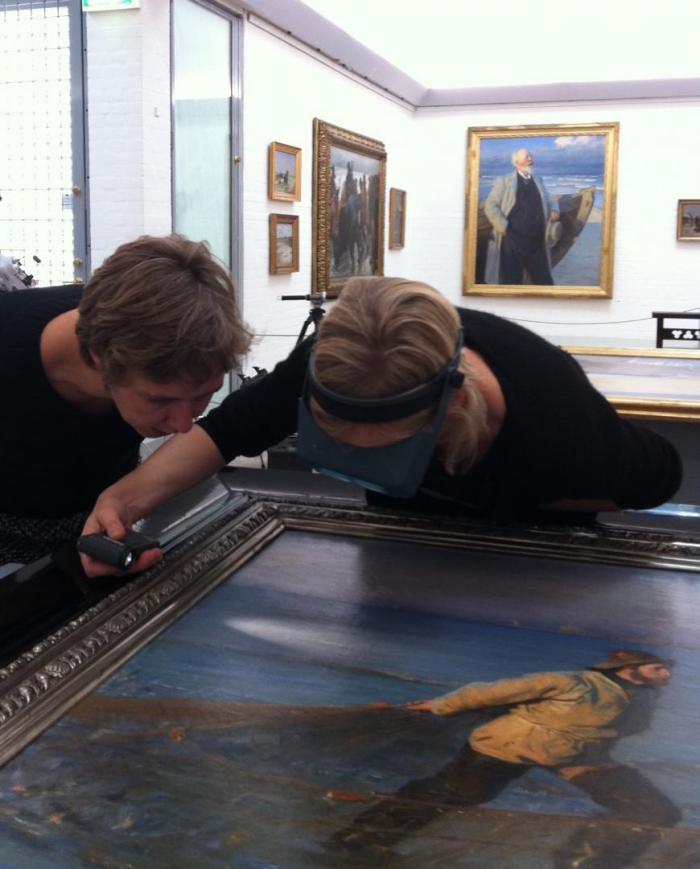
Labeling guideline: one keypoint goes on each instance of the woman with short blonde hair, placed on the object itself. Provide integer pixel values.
(87, 372)
(361, 352)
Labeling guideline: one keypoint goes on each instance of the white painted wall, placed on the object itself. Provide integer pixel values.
(155, 84)
(128, 125)
(284, 88)
(657, 165)
(427, 157)
(435, 43)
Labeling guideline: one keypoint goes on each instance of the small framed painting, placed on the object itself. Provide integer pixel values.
(397, 218)
(284, 244)
(284, 172)
(688, 221)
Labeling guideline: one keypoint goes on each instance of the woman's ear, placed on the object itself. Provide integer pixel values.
(459, 396)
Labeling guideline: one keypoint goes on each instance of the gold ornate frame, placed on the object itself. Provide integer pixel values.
(39, 686)
(681, 235)
(272, 192)
(274, 221)
(397, 199)
(476, 224)
(649, 407)
(325, 137)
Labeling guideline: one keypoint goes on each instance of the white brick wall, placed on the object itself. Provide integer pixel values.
(314, 90)
(657, 165)
(129, 149)
(155, 83)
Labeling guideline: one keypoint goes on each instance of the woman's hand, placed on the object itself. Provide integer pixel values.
(111, 517)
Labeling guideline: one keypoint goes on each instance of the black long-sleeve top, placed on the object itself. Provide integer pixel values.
(560, 439)
(55, 459)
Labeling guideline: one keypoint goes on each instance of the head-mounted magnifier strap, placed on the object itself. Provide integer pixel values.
(390, 407)
(396, 469)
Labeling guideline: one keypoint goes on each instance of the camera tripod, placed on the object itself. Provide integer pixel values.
(316, 311)
(283, 456)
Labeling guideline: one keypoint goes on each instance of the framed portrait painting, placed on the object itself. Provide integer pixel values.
(284, 172)
(349, 189)
(540, 210)
(284, 244)
(688, 220)
(397, 218)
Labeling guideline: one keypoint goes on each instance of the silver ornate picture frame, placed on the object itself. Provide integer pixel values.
(46, 680)
(247, 695)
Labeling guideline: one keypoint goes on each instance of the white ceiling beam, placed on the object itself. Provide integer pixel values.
(299, 21)
(563, 92)
(304, 24)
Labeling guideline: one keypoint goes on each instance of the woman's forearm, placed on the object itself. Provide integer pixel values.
(182, 462)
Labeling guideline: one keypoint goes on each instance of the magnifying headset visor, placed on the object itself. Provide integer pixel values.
(397, 469)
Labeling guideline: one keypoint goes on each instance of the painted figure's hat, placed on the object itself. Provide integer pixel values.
(629, 658)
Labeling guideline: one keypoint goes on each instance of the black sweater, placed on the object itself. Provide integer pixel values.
(560, 438)
(54, 458)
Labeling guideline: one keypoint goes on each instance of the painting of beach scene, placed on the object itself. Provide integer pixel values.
(355, 702)
(284, 172)
(540, 209)
(284, 243)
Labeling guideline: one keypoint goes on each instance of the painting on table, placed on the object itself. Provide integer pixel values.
(645, 384)
(275, 722)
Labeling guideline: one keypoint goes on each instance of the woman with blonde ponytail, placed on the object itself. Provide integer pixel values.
(361, 352)
(524, 431)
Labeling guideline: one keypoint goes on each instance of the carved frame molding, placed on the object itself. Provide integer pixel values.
(38, 687)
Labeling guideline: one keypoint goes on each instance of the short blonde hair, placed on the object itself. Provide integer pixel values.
(163, 307)
(388, 335)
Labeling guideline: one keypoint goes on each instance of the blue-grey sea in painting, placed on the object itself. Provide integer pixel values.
(262, 729)
(567, 165)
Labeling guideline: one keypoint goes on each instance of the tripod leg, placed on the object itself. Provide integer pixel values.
(307, 323)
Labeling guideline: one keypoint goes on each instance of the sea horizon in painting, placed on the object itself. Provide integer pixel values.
(567, 165)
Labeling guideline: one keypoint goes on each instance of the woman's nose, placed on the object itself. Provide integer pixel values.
(181, 417)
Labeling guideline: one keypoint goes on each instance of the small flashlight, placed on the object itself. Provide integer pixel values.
(116, 553)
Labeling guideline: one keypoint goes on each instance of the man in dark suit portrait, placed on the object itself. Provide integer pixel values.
(521, 214)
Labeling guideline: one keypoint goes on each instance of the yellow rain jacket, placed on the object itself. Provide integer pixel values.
(554, 719)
